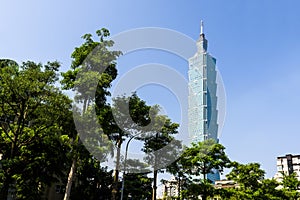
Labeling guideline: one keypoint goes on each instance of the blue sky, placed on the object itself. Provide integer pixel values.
(256, 43)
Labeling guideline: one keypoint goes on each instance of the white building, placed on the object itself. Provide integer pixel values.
(287, 164)
(171, 188)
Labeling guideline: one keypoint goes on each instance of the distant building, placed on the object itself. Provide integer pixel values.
(226, 184)
(202, 111)
(171, 188)
(287, 164)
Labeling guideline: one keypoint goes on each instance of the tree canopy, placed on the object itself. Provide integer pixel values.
(35, 116)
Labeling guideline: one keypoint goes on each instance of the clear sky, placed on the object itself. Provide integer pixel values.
(256, 43)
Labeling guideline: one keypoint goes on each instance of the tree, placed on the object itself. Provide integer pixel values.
(291, 185)
(290, 181)
(176, 169)
(194, 190)
(137, 185)
(92, 181)
(252, 184)
(248, 176)
(127, 117)
(201, 159)
(92, 71)
(268, 190)
(34, 138)
(159, 144)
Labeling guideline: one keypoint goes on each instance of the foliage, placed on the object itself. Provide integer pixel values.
(138, 186)
(203, 158)
(196, 162)
(248, 175)
(291, 185)
(124, 120)
(159, 144)
(195, 190)
(93, 181)
(252, 184)
(34, 138)
(92, 70)
(290, 182)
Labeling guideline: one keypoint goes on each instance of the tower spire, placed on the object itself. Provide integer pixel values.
(202, 42)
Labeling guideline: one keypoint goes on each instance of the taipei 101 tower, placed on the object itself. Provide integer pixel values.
(202, 111)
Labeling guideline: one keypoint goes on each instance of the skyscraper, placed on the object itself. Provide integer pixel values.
(203, 113)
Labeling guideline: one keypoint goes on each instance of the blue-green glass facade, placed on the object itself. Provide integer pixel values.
(203, 113)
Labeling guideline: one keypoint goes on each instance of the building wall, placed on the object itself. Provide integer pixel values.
(287, 164)
(212, 112)
(203, 114)
(226, 184)
(171, 188)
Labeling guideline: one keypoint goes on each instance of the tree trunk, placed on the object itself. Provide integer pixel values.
(154, 184)
(155, 174)
(114, 195)
(74, 162)
(70, 180)
(179, 188)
